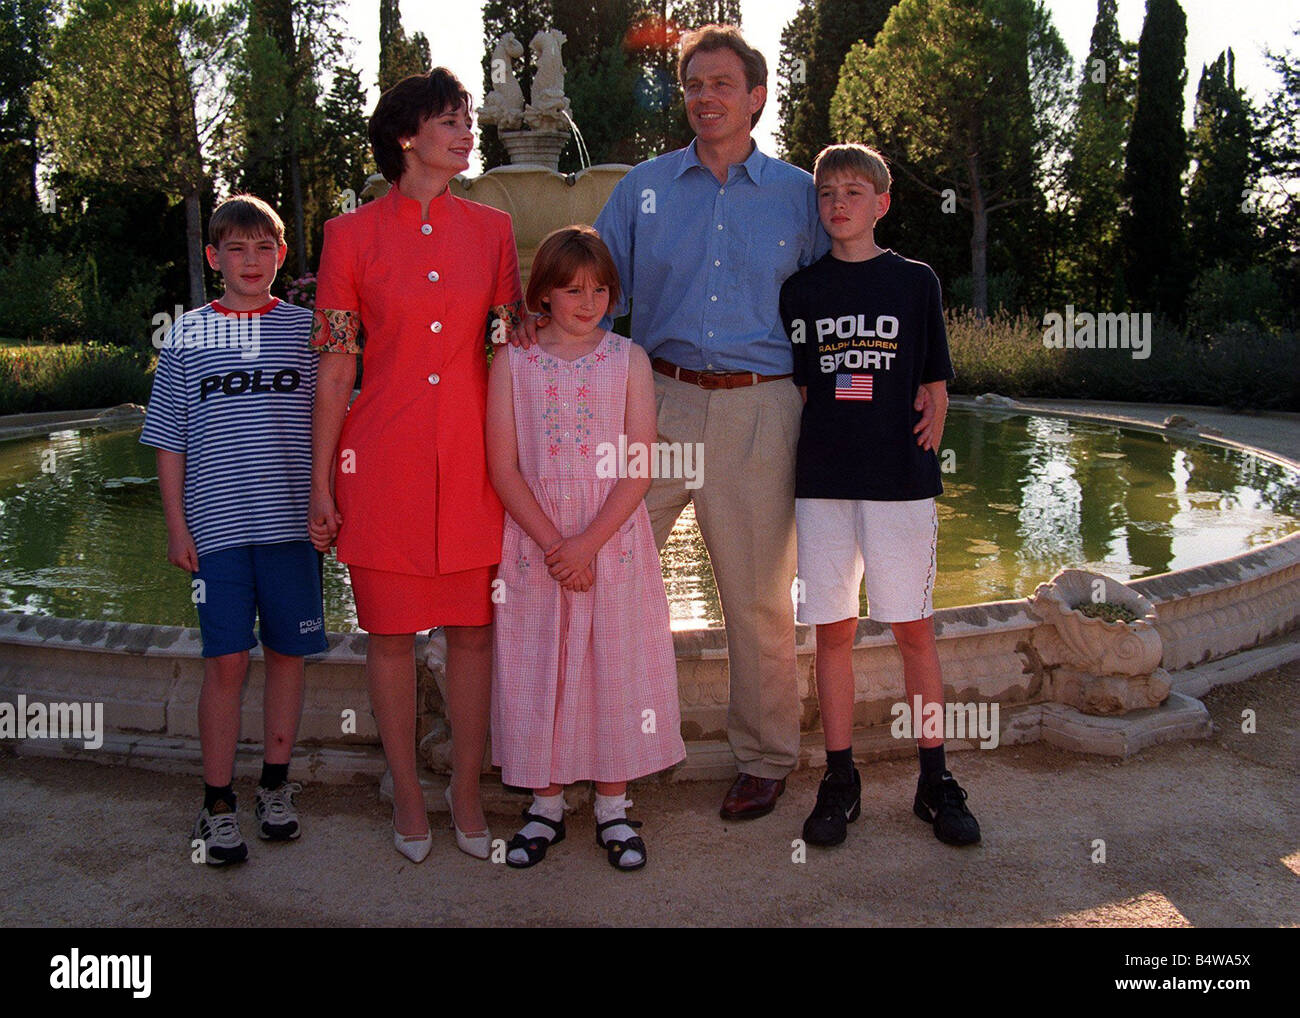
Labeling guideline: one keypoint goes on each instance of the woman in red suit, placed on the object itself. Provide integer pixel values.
(412, 281)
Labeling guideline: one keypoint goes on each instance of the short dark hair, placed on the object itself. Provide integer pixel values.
(401, 109)
(246, 215)
(716, 37)
(562, 255)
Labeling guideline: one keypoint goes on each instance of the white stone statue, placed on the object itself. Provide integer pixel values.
(549, 104)
(504, 105)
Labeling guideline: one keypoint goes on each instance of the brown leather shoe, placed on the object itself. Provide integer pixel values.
(751, 797)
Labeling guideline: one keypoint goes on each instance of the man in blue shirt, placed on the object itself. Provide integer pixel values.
(703, 238)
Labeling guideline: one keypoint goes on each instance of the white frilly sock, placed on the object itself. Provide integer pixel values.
(614, 807)
(550, 806)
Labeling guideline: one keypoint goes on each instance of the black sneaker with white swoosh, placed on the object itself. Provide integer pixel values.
(839, 801)
(943, 804)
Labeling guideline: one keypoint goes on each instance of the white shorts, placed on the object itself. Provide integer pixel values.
(894, 543)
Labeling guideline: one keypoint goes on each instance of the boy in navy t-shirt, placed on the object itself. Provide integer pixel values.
(230, 418)
(867, 330)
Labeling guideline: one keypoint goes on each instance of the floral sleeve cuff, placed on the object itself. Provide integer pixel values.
(503, 319)
(337, 331)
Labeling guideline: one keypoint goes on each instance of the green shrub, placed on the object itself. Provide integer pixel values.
(47, 297)
(1223, 296)
(1242, 367)
(34, 379)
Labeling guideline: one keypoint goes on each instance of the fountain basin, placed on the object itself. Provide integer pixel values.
(148, 676)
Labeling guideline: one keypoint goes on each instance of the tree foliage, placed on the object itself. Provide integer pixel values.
(1154, 240)
(400, 55)
(135, 95)
(1094, 176)
(966, 97)
(832, 27)
(25, 30)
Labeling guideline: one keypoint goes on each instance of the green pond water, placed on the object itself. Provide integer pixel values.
(84, 537)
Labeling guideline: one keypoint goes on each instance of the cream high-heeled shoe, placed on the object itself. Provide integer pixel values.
(477, 845)
(415, 847)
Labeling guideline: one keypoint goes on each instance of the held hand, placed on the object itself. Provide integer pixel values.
(181, 551)
(583, 581)
(934, 411)
(525, 333)
(323, 521)
(569, 558)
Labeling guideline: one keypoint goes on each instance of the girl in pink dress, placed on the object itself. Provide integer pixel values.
(584, 683)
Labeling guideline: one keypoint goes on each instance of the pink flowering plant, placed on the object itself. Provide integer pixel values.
(302, 291)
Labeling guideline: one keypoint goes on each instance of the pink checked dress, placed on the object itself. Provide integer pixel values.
(584, 685)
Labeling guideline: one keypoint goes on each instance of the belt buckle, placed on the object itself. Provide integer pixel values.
(709, 381)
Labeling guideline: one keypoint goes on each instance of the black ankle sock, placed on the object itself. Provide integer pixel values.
(273, 775)
(932, 763)
(840, 761)
(211, 793)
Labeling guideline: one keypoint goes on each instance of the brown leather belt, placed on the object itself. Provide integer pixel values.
(712, 379)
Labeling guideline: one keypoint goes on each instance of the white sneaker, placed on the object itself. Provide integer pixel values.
(277, 820)
(219, 832)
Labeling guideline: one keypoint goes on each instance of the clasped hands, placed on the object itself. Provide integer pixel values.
(571, 562)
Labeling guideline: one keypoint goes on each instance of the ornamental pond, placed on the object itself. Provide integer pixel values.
(82, 533)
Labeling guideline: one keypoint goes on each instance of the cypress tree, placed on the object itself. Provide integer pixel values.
(1094, 176)
(399, 55)
(1156, 269)
(833, 27)
(1220, 230)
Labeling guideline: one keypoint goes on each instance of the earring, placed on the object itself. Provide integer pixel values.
(406, 146)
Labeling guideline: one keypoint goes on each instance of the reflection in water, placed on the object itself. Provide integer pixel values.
(1029, 495)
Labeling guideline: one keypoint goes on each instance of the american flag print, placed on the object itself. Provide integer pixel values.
(851, 386)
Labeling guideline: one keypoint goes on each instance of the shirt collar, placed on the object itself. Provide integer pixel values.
(752, 165)
(221, 309)
(409, 209)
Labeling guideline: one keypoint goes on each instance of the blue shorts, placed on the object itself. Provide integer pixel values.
(279, 584)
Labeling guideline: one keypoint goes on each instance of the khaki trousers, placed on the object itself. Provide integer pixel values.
(745, 510)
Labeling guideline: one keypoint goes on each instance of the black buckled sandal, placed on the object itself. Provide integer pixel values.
(614, 849)
(535, 847)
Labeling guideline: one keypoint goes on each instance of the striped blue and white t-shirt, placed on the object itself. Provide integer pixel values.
(233, 393)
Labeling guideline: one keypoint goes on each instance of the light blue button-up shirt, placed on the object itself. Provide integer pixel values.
(703, 261)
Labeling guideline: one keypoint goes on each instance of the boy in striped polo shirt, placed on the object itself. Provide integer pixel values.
(868, 333)
(230, 418)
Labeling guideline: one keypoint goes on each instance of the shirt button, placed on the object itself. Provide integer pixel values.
(710, 334)
(434, 277)
(719, 226)
(436, 327)
(782, 243)
(722, 190)
(434, 379)
(426, 229)
(716, 262)
(714, 297)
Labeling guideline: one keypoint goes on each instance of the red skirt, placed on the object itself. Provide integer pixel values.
(394, 603)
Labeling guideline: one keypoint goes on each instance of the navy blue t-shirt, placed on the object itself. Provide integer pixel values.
(866, 335)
